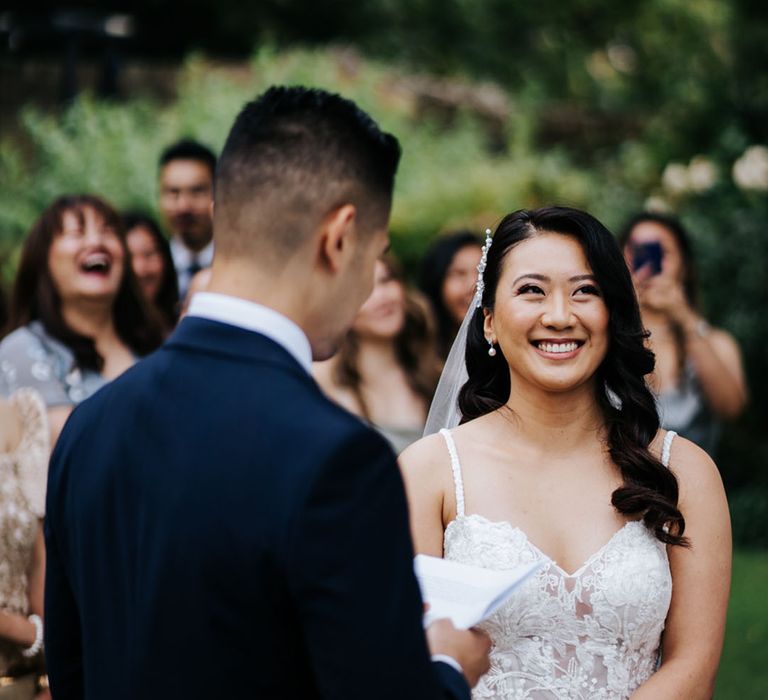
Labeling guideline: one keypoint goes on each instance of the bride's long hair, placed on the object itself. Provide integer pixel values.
(626, 403)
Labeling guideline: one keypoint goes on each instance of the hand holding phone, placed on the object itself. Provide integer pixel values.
(647, 254)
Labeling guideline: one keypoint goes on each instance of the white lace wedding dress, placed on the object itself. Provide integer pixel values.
(591, 634)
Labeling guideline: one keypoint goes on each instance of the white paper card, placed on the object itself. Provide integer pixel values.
(466, 594)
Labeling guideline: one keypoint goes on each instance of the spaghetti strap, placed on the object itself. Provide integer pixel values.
(458, 483)
(666, 449)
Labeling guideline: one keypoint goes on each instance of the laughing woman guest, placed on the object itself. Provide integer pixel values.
(77, 316)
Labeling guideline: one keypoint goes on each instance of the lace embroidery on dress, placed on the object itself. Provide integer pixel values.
(593, 634)
(22, 494)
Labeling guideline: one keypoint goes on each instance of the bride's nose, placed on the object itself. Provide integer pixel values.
(557, 312)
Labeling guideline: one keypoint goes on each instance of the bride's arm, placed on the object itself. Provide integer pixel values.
(701, 575)
(424, 466)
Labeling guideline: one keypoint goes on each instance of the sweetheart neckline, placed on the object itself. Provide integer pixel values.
(541, 553)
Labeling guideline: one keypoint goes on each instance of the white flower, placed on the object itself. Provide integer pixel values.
(675, 178)
(622, 57)
(702, 174)
(750, 172)
(657, 203)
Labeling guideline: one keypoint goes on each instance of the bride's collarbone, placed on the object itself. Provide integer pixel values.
(563, 508)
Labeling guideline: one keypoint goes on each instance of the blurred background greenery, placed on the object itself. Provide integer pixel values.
(499, 105)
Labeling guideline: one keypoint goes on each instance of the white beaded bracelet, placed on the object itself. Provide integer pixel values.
(37, 645)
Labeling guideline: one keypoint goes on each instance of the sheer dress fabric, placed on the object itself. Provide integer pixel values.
(22, 502)
(591, 634)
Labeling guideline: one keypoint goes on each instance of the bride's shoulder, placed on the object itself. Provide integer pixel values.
(683, 454)
(434, 451)
(692, 466)
(424, 454)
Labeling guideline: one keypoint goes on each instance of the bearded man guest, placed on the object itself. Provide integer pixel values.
(187, 170)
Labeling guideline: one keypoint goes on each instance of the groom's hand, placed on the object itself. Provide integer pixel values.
(469, 647)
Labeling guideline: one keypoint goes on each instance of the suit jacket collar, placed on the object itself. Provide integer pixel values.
(254, 317)
(223, 339)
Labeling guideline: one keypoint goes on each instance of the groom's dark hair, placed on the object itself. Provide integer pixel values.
(292, 156)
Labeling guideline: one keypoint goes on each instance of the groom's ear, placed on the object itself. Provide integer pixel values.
(337, 238)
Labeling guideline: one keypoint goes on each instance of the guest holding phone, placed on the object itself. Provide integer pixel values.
(699, 376)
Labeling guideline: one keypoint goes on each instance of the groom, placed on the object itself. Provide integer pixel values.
(216, 528)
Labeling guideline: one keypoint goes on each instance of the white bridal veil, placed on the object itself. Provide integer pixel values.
(444, 410)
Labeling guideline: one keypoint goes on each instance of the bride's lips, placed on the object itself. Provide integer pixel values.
(558, 348)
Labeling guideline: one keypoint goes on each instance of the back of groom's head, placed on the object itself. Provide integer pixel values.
(293, 156)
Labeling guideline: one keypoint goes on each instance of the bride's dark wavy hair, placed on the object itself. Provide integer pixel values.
(629, 410)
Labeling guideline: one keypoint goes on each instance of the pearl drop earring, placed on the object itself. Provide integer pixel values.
(491, 349)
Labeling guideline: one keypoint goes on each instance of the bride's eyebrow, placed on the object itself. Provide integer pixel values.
(544, 278)
(580, 278)
(532, 276)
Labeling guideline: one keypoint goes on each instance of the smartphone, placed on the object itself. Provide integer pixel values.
(647, 254)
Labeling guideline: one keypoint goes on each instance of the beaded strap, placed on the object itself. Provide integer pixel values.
(456, 469)
(666, 449)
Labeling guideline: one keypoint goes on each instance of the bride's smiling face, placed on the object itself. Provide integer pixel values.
(549, 316)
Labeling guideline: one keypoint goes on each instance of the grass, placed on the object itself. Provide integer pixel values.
(744, 666)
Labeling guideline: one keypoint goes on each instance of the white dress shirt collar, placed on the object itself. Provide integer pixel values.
(254, 317)
(183, 256)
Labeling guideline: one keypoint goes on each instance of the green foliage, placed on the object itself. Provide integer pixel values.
(743, 672)
(446, 177)
(749, 515)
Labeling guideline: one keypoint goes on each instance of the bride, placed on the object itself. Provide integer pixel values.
(559, 458)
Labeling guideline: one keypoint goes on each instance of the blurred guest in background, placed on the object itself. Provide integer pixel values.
(448, 274)
(699, 377)
(77, 316)
(186, 201)
(24, 450)
(153, 266)
(386, 369)
(3, 308)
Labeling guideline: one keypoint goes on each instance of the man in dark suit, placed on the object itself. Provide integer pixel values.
(216, 528)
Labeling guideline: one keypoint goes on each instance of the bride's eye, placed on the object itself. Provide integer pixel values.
(530, 289)
(589, 289)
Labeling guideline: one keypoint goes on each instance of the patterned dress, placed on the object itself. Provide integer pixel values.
(22, 504)
(31, 357)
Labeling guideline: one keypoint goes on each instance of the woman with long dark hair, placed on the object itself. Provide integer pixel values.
(77, 316)
(699, 376)
(152, 265)
(448, 273)
(386, 369)
(559, 459)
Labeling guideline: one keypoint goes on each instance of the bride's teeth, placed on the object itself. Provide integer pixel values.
(558, 347)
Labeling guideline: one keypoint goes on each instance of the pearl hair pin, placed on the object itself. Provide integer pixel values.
(480, 286)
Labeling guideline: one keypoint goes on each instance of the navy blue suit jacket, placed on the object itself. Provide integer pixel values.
(217, 528)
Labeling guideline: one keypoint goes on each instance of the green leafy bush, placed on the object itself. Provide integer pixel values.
(447, 176)
(749, 516)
